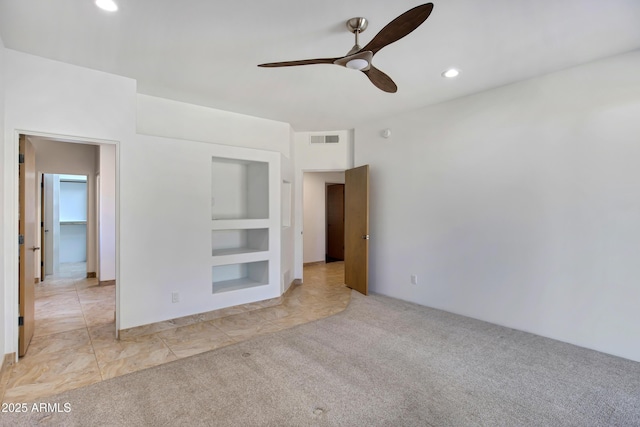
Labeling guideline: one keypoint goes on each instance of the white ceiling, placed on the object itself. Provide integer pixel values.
(205, 52)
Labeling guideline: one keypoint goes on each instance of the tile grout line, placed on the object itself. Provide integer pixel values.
(95, 356)
(167, 345)
(86, 323)
(223, 332)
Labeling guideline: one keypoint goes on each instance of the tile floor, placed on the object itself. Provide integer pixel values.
(74, 342)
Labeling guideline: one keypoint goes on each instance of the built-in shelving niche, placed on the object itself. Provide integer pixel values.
(239, 189)
(242, 228)
(239, 241)
(232, 277)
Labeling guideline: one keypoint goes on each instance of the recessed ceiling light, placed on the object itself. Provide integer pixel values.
(108, 5)
(451, 73)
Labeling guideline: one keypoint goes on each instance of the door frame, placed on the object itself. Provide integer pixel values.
(10, 225)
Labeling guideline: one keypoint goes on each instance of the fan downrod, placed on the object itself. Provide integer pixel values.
(356, 26)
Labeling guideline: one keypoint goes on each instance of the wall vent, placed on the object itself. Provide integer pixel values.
(324, 139)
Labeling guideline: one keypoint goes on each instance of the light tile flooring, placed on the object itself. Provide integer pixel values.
(74, 342)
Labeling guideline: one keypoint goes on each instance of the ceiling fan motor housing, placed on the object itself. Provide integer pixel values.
(357, 25)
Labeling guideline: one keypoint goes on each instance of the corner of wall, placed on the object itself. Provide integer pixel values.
(287, 241)
(3, 322)
(351, 150)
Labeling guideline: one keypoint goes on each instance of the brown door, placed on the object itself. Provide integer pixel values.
(335, 222)
(356, 215)
(28, 246)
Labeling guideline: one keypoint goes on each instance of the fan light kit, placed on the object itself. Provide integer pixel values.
(359, 58)
(108, 5)
(357, 64)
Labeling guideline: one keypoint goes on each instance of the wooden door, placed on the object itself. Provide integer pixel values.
(356, 215)
(335, 222)
(28, 246)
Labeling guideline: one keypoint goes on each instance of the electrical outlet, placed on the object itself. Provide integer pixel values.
(175, 297)
(414, 279)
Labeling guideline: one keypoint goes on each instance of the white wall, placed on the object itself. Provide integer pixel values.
(518, 206)
(52, 98)
(57, 98)
(73, 243)
(166, 211)
(288, 231)
(107, 213)
(173, 119)
(73, 200)
(57, 157)
(315, 158)
(4, 303)
(315, 210)
(49, 97)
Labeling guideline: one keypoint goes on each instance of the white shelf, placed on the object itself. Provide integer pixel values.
(232, 277)
(245, 225)
(235, 285)
(227, 224)
(236, 251)
(240, 257)
(242, 240)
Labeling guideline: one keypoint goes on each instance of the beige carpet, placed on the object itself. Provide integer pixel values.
(380, 362)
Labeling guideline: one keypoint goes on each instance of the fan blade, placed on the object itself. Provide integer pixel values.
(399, 27)
(303, 62)
(381, 80)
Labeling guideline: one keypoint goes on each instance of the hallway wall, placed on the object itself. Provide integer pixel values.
(5, 319)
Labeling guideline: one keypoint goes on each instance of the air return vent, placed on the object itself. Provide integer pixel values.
(324, 139)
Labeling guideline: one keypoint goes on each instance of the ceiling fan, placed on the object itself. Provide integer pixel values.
(359, 58)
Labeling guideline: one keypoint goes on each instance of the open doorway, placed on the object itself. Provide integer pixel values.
(318, 206)
(356, 223)
(64, 214)
(75, 227)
